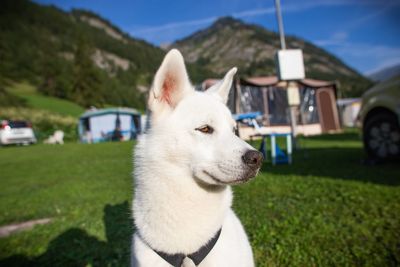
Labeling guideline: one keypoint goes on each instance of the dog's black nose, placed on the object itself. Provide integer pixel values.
(253, 159)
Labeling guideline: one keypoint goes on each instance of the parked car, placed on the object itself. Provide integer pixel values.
(16, 132)
(380, 118)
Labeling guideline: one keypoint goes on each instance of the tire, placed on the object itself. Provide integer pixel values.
(381, 136)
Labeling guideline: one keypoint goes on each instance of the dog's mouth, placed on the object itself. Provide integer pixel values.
(248, 175)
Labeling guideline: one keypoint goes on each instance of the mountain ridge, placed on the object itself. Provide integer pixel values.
(44, 54)
(231, 42)
(385, 73)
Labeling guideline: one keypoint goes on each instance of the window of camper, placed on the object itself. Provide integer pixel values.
(278, 106)
(308, 106)
(251, 99)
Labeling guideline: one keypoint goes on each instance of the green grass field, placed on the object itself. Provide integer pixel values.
(39, 101)
(327, 209)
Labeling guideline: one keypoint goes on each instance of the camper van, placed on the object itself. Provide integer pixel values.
(110, 124)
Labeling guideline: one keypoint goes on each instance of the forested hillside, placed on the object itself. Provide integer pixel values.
(84, 58)
(76, 56)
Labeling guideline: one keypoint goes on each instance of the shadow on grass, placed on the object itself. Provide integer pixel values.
(75, 247)
(346, 136)
(337, 163)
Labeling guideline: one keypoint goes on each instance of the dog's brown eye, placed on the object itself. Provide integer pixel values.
(205, 129)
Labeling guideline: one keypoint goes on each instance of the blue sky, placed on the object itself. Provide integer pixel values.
(365, 34)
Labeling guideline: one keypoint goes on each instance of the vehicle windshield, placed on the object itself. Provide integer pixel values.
(18, 124)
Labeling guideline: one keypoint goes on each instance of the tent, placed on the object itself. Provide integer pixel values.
(317, 112)
(348, 110)
(110, 124)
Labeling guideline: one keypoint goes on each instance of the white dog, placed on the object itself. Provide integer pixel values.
(56, 138)
(184, 167)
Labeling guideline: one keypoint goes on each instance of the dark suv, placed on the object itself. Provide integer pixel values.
(380, 118)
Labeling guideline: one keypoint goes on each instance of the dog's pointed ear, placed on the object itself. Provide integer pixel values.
(171, 83)
(223, 87)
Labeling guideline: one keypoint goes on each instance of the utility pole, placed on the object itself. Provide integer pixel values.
(280, 23)
(291, 89)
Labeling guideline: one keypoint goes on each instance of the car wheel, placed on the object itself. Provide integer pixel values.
(381, 136)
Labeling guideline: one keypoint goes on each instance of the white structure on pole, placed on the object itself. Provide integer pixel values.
(290, 67)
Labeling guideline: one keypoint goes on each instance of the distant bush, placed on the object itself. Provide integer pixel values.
(44, 123)
(10, 100)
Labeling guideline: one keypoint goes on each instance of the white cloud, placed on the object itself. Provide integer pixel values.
(174, 25)
(296, 7)
(336, 38)
(371, 57)
(361, 21)
(254, 12)
(203, 21)
(380, 56)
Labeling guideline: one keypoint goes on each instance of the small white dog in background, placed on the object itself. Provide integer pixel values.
(184, 167)
(56, 138)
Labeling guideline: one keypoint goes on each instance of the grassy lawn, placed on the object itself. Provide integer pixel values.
(327, 209)
(38, 101)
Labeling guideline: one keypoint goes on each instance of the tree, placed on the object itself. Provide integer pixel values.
(56, 75)
(87, 83)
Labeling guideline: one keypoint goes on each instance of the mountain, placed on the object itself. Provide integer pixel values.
(230, 42)
(75, 55)
(39, 44)
(385, 74)
(82, 57)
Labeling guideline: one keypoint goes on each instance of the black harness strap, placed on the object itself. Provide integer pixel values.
(197, 257)
(175, 260)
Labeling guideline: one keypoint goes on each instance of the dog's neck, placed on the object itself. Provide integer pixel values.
(173, 212)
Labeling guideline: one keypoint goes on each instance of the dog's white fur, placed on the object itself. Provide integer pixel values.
(178, 205)
(56, 138)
